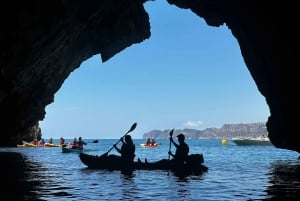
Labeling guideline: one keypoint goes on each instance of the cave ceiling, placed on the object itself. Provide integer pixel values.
(44, 41)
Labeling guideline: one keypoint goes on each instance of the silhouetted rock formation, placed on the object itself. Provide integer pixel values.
(42, 42)
(226, 131)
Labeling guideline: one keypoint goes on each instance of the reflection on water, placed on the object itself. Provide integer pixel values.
(235, 173)
(127, 179)
(284, 179)
(15, 174)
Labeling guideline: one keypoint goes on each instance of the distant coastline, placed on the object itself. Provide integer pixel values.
(227, 131)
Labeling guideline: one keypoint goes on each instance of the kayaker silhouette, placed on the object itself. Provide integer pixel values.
(182, 150)
(127, 151)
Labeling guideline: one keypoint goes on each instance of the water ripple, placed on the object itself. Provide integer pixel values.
(235, 173)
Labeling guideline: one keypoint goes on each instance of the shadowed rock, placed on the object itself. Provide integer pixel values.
(42, 42)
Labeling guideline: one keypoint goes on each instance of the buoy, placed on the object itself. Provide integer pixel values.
(224, 142)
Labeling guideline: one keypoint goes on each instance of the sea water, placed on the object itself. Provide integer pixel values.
(234, 173)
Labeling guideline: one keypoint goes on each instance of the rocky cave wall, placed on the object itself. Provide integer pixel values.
(44, 41)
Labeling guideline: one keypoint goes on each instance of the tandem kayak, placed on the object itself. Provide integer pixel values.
(71, 150)
(149, 145)
(194, 164)
(26, 144)
(29, 144)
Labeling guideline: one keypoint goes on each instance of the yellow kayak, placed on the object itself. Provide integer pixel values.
(29, 144)
(51, 145)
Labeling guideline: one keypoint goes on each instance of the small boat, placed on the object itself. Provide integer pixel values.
(155, 145)
(262, 140)
(194, 164)
(68, 149)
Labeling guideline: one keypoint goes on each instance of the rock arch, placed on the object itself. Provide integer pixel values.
(44, 41)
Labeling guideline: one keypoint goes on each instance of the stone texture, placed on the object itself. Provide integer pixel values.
(42, 42)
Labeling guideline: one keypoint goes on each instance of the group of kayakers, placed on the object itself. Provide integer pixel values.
(42, 142)
(127, 150)
(75, 144)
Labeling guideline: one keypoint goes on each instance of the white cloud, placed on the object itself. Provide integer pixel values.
(193, 124)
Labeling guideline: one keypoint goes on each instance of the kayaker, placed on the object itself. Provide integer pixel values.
(74, 144)
(153, 142)
(148, 142)
(61, 141)
(42, 142)
(50, 141)
(35, 142)
(127, 150)
(182, 150)
(80, 143)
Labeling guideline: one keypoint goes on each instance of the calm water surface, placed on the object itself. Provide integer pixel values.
(235, 173)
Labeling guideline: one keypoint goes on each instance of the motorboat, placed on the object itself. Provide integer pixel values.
(260, 140)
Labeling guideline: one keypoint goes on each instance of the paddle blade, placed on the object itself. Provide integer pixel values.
(171, 132)
(132, 127)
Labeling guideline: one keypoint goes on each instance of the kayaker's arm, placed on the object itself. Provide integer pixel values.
(115, 145)
(175, 144)
(118, 150)
(170, 153)
(122, 140)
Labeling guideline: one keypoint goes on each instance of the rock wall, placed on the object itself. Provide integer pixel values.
(42, 42)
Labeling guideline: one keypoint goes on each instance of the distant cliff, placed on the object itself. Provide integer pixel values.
(226, 131)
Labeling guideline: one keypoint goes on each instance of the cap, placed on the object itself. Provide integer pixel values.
(180, 136)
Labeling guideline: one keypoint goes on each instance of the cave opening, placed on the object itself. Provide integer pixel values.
(186, 75)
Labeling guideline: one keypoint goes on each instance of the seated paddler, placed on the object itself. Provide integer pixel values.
(182, 150)
(127, 150)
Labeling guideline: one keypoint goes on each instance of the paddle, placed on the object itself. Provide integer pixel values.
(131, 129)
(170, 134)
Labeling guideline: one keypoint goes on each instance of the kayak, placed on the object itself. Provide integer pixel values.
(51, 145)
(194, 164)
(149, 145)
(25, 145)
(29, 144)
(71, 150)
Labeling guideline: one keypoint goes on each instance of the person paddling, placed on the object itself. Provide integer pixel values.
(80, 143)
(182, 150)
(61, 141)
(127, 151)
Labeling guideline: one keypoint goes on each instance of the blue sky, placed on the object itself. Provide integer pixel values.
(186, 75)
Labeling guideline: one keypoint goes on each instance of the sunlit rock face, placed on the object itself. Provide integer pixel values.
(44, 41)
